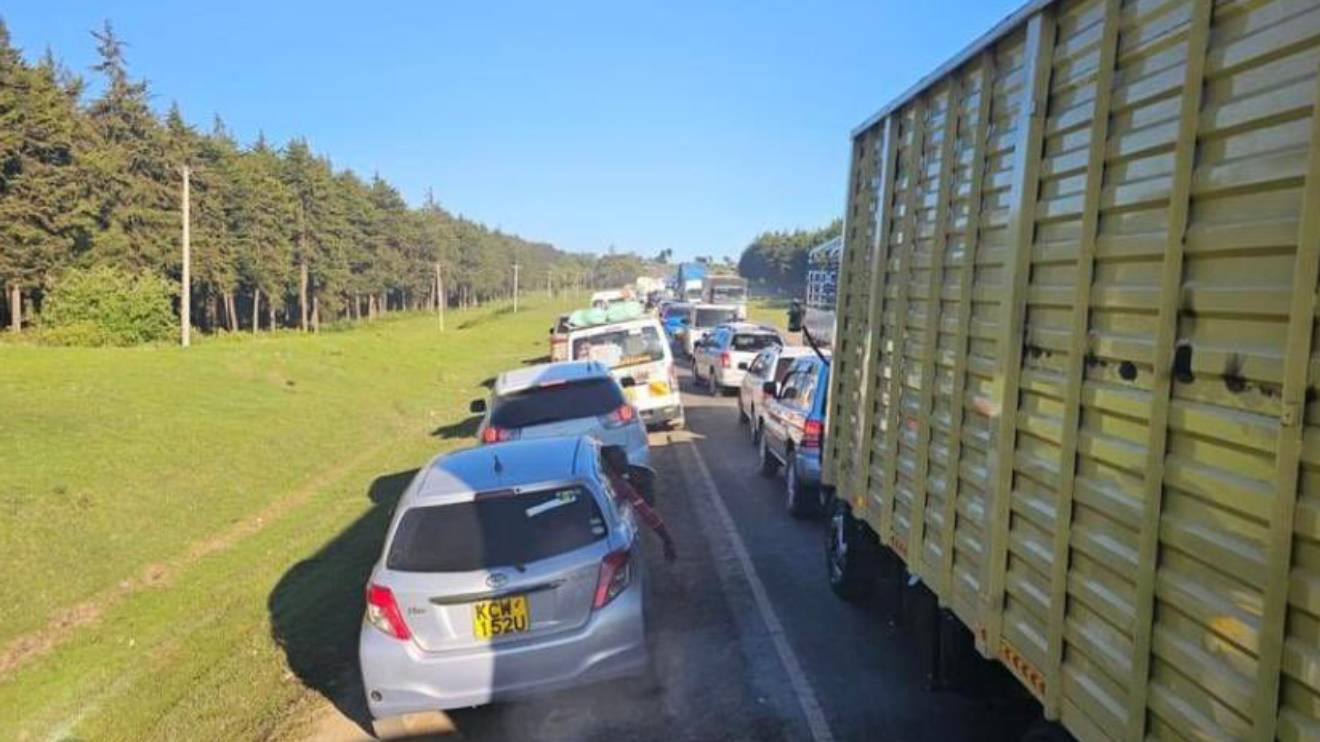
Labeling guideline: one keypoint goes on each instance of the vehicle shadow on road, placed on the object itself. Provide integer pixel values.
(316, 607)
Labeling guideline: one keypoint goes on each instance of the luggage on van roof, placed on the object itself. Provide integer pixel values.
(621, 312)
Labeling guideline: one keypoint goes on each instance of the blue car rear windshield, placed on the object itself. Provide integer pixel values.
(504, 530)
(542, 405)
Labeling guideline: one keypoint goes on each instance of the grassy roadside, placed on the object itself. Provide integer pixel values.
(217, 509)
(773, 312)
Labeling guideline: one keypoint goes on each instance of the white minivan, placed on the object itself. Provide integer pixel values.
(639, 358)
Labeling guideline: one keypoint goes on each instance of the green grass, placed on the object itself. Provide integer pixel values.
(773, 312)
(132, 482)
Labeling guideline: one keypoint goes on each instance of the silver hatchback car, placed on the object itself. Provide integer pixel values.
(507, 569)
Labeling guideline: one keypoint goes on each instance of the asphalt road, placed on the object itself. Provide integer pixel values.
(747, 640)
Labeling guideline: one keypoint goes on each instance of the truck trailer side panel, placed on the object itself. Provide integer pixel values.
(1077, 355)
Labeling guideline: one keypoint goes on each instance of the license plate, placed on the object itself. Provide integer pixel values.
(492, 618)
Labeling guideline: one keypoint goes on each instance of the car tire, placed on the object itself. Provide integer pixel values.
(769, 467)
(756, 430)
(851, 554)
(742, 413)
(712, 386)
(799, 499)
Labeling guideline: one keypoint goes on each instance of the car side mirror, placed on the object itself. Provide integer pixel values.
(742, 367)
(477, 407)
(627, 382)
(769, 388)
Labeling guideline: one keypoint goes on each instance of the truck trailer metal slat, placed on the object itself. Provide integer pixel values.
(1081, 354)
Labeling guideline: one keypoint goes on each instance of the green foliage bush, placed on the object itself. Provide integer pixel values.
(108, 306)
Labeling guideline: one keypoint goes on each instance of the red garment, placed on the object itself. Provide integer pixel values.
(644, 511)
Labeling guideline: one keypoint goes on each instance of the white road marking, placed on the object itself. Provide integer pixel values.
(806, 697)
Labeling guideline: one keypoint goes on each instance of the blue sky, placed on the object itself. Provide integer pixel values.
(644, 125)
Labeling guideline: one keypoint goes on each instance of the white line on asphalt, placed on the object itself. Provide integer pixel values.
(806, 697)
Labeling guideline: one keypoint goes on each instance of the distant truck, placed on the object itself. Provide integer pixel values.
(822, 290)
(687, 281)
(1072, 405)
(724, 290)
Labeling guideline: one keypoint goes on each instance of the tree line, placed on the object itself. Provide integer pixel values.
(280, 236)
(776, 261)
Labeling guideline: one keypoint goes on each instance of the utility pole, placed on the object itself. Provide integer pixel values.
(515, 287)
(439, 297)
(185, 298)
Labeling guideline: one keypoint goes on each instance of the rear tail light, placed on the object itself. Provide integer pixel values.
(615, 574)
(620, 417)
(383, 612)
(811, 434)
(493, 434)
(725, 360)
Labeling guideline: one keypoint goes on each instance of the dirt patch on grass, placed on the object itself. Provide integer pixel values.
(65, 624)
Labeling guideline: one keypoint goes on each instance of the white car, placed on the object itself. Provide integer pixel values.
(507, 570)
(771, 364)
(721, 359)
(703, 319)
(552, 400)
(637, 355)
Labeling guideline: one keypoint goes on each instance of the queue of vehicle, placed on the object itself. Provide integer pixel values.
(515, 567)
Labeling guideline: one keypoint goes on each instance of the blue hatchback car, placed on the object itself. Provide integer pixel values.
(793, 433)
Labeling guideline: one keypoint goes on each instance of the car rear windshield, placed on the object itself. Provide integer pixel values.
(497, 530)
(753, 343)
(620, 348)
(555, 402)
(712, 317)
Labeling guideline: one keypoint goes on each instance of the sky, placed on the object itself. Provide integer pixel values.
(690, 126)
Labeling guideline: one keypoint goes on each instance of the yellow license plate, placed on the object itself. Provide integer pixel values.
(492, 618)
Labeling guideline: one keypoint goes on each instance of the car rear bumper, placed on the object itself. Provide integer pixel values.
(661, 415)
(730, 378)
(401, 679)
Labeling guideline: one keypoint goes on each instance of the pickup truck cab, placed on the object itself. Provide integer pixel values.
(721, 359)
(639, 358)
(793, 432)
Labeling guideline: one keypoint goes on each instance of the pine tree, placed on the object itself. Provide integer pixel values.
(39, 212)
(129, 169)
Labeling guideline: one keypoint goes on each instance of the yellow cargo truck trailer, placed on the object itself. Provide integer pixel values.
(1076, 360)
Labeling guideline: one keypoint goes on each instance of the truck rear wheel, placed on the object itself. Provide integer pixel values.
(850, 554)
